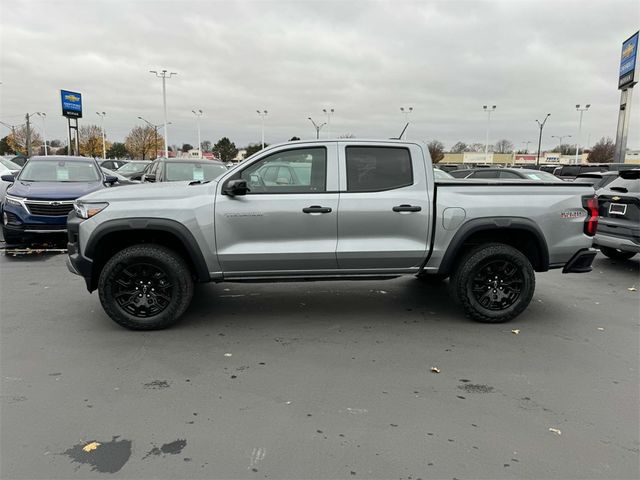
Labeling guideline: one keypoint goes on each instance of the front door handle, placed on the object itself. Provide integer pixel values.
(316, 209)
(406, 208)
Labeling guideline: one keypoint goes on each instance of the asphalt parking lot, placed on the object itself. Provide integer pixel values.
(321, 380)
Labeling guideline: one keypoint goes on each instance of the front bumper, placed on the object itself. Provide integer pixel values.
(77, 263)
(624, 244)
(22, 228)
(581, 261)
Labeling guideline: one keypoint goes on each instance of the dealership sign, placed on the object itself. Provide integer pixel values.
(71, 104)
(628, 62)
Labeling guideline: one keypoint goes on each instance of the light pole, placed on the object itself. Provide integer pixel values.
(406, 111)
(328, 113)
(262, 114)
(155, 128)
(526, 145)
(581, 110)
(317, 127)
(541, 125)
(164, 74)
(28, 139)
(560, 137)
(104, 147)
(198, 114)
(44, 132)
(486, 142)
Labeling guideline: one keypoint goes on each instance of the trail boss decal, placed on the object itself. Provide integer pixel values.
(573, 213)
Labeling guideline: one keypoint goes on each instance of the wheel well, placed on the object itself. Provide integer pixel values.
(521, 239)
(113, 242)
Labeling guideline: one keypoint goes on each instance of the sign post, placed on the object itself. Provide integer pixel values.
(627, 78)
(72, 109)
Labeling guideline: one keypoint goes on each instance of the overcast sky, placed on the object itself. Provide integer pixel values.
(365, 59)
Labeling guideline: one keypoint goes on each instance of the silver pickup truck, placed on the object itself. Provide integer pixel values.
(345, 209)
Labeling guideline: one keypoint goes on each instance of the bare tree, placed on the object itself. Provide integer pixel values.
(91, 140)
(140, 142)
(503, 146)
(603, 151)
(436, 150)
(459, 147)
(478, 147)
(17, 140)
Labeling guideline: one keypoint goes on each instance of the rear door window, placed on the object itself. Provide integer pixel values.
(373, 169)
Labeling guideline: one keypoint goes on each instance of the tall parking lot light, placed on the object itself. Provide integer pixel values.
(44, 132)
(541, 125)
(317, 127)
(581, 110)
(406, 111)
(560, 138)
(486, 143)
(262, 115)
(328, 112)
(164, 74)
(104, 147)
(198, 114)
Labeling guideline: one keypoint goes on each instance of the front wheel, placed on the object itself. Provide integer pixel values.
(145, 287)
(615, 254)
(494, 283)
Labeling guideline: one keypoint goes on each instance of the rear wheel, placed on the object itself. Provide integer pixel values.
(616, 254)
(145, 287)
(494, 283)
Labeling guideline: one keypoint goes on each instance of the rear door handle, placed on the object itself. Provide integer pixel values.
(316, 209)
(406, 208)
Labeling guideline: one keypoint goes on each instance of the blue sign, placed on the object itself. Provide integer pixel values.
(71, 104)
(628, 62)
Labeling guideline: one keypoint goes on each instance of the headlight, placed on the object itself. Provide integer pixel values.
(16, 201)
(88, 210)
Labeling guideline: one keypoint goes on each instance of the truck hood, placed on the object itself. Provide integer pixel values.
(53, 190)
(147, 191)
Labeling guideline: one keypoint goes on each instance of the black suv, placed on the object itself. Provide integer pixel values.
(618, 234)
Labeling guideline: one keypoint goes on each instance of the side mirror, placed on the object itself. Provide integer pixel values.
(148, 177)
(235, 187)
(8, 178)
(110, 179)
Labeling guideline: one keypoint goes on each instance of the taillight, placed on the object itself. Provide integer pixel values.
(590, 204)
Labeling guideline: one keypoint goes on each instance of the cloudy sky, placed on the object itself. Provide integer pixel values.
(365, 59)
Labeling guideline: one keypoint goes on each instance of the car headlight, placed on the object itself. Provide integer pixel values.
(16, 201)
(88, 210)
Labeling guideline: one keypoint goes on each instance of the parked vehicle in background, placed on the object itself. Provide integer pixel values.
(113, 164)
(133, 168)
(178, 169)
(4, 184)
(597, 179)
(618, 234)
(441, 175)
(19, 160)
(569, 172)
(38, 200)
(12, 166)
(505, 174)
(364, 209)
(122, 180)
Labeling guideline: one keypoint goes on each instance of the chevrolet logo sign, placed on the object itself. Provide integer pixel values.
(627, 51)
(616, 198)
(54, 204)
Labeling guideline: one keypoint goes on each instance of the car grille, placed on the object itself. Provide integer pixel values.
(50, 209)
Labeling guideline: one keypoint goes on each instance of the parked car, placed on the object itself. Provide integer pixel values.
(5, 172)
(366, 209)
(178, 169)
(133, 168)
(618, 234)
(597, 179)
(113, 164)
(19, 160)
(441, 174)
(38, 200)
(122, 180)
(505, 174)
(12, 166)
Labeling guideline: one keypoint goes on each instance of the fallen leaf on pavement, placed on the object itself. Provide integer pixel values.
(601, 329)
(91, 446)
(228, 354)
(555, 430)
(435, 369)
(515, 331)
(632, 289)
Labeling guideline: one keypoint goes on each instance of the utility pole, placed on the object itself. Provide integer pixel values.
(541, 125)
(486, 142)
(317, 127)
(44, 131)
(406, 111)
(328, 113)
(581, 110)
(164, 74)
(526, 145)
(198, 114)
(104, 148)
(155, 129)
(28, 139)
(262, 114)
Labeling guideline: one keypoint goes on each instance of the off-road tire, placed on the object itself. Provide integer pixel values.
(473, 264)
(615, 254)
(158, 259)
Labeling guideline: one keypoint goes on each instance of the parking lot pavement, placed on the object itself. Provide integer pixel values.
(320, 380)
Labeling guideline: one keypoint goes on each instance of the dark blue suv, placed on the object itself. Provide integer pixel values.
(37, 203)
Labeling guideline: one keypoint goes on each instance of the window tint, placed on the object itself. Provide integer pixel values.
(378, 168)
(192, 171)
(59, 171)
(301, 170)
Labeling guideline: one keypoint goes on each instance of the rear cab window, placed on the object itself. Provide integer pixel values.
(374, 169)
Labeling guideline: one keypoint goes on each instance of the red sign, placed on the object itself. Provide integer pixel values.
(525, 158)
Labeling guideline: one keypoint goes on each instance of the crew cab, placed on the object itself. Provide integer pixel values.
(39, 198)
(366, 209)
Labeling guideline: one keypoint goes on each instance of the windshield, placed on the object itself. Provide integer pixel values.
(178, 171)
(133, 167)
(59, 171)
(9, 164)
(542, 176)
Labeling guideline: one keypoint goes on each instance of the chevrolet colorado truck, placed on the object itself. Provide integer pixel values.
(314, 210)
